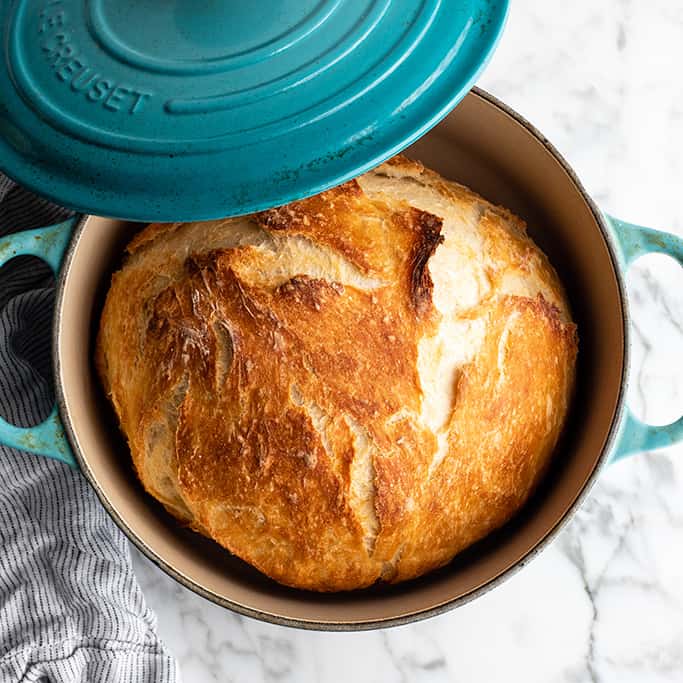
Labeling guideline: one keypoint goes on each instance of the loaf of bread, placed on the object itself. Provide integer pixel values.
(348, 389)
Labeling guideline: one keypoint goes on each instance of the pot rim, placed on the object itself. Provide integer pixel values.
(418, 615)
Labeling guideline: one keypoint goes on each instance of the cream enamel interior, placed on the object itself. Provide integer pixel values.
(482, 146)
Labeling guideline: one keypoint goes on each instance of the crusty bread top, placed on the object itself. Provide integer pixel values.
(352, 387)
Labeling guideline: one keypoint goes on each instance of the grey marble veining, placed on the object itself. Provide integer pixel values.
(605, 602)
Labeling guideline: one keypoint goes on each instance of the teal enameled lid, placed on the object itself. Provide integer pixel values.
(191, 109)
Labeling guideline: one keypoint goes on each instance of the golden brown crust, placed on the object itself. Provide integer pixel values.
(353, 387)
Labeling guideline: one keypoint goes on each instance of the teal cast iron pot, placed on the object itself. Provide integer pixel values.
(488, 147)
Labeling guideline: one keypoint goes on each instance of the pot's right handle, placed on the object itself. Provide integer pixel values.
(49, 244)
(635, 241)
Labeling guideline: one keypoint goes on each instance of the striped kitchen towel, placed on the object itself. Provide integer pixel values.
(71, 610)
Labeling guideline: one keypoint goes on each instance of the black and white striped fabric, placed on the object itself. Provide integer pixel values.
(71, 610)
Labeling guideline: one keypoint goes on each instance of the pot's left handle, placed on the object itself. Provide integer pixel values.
(635, 241)
(49, 244)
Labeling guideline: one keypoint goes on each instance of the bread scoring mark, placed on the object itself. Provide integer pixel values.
(166, 246)
(320, 422)
(224, 351)
(459, 280)
(147, 238)
(442, 448)
(158, 438)
(402, 169)
(502, 345)
(152, 285)
(186, 326)
(390, 567)
(516, 266)
(429, 237)
(440, 358)
(296, 396)
(362, 489)
(296, 256)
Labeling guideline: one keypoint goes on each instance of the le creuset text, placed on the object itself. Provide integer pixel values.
(74, 70)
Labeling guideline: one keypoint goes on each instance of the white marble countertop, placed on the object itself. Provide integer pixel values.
(605, 602)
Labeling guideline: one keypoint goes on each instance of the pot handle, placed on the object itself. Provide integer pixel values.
(635, 241)
(49, 244)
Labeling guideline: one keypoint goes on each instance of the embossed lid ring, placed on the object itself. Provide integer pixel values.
(181, 110)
